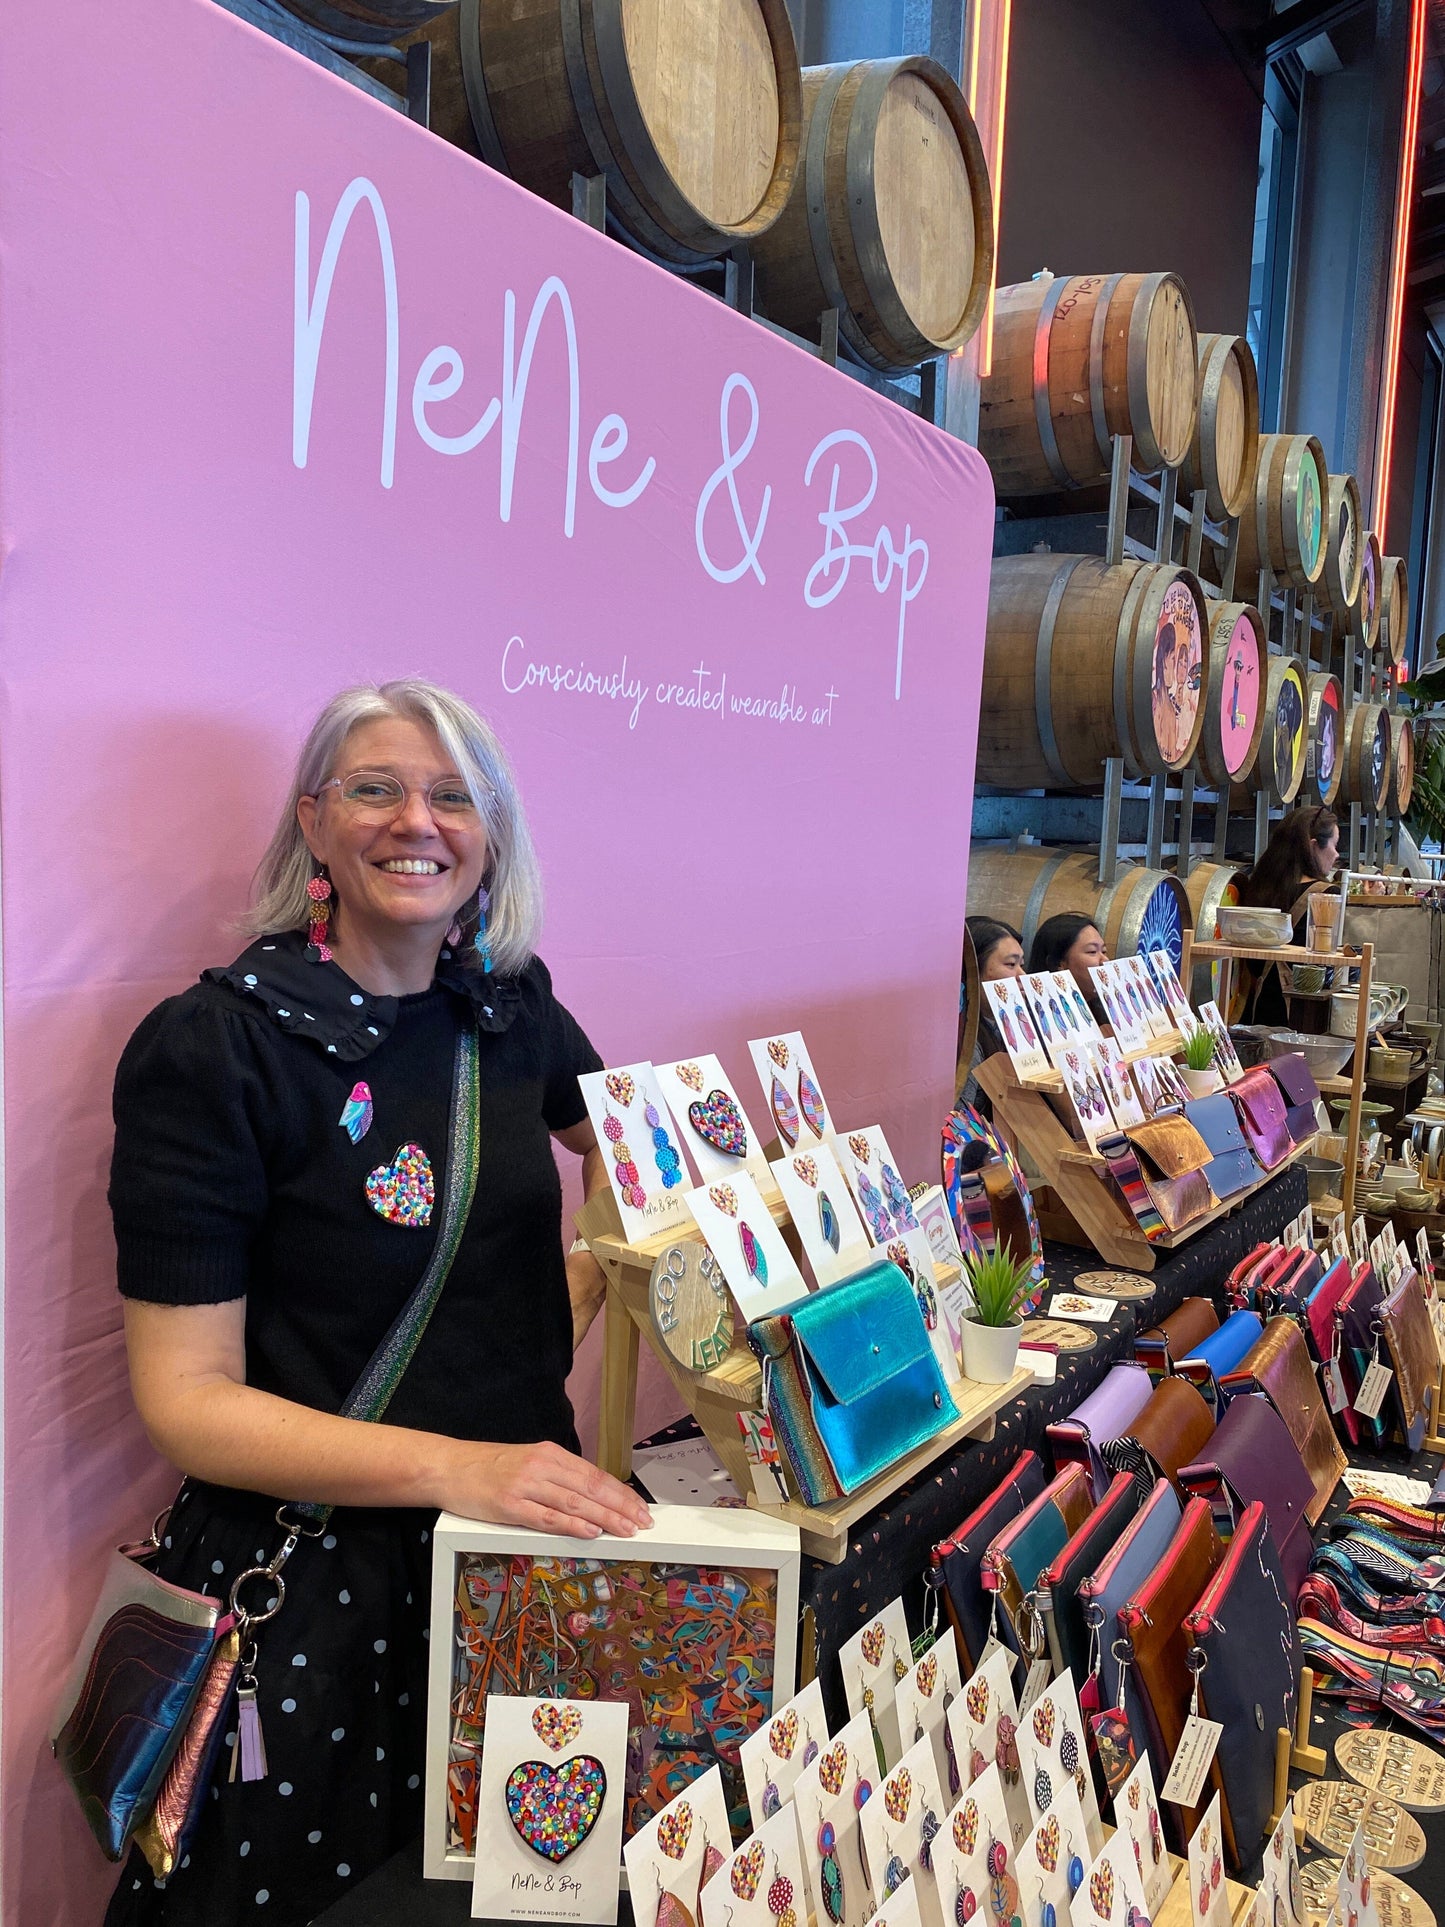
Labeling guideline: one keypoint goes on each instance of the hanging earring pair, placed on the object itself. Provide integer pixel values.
(481, 942)
(318, 893)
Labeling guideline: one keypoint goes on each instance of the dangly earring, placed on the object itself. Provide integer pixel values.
(481, 941)
(318, 890)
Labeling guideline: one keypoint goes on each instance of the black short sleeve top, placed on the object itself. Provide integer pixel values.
(235, 1175)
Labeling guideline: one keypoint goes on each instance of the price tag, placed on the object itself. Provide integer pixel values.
(1373, 1388)
(1422, 1252)
(1336, 1397)
(1191, 1761)
(1380, 1256)
(993, 1644)
(1039, 1675)
(1293, 1236)
(1359, 1242)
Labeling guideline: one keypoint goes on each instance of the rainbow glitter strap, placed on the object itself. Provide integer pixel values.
(374, 1390)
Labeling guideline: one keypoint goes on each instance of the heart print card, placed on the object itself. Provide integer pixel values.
(1054, 1853)
(1208, 1889)
(1009, 1008)
(776, 1752)
(872, 1173)
(984, 1723)
(639, 1148)
(711, 1121)
(826, 1801)
(1051, 1746)
(974, 1860)
(680, 1848)
(821, 1206)
(761, 1882)
(873, 1662)
(552, 1789)
(794, 1096)
(1113, 1893)
(761, 1272)
(924, 1697)
(901, 1826)
(1136, 1813)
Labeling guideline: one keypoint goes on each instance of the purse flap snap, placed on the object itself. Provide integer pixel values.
(862, 1332)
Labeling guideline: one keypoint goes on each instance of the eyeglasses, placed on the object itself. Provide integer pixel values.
(377, 797)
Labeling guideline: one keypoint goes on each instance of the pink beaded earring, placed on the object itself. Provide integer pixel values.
(318, 890)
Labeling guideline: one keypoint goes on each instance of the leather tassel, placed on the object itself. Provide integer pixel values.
(250, 1748)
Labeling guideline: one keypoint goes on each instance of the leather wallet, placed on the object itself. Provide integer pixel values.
(1323, 1333)
(1116, 1579)
(1172, 1156)
(1290, 1287)
(1250, 1457)
(1414, 1355)
(1359, 1312)
(1104, 1414)
(1013, 1563)
(956, 1560)
(1301, 1094)
(1220, 1353)
(1243, 1284)
(1242, 1631)
(1152, 1624)
(1170, 1431)
(1260, 1107)
(1232, 1167)
(1279, 1366)
(854, 1383)
(1177, 1335)
(1058, 1588)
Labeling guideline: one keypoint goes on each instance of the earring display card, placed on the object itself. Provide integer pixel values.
(905, 1814)
(1136, 1812)
(1159, 1084)
(552, 1782)
(880, 1193)
(766, 1869)
(1125, 1012)
(1082, 1021)
(899, 1910)
(1086, 1093)
(1009, 1008)
(821, 1206)
(1118, 1085)
(711, 1120)
(1225, 1055)
(677, 1850)
(1208, 1889)
(1356, 1906)
(827, 1801)
(924, 1697)
(773, 1756)
(1166, 981)
(1282, 1903)
(739, 1231)
(984, 1722)
(1051, 1746)
(873, 1661)
(910, 1252)
(1053, 1855)
(1156, 1011)
(975, 1839)
(791, 1090)
(639, 1148)
(1113, 1893)
(691, 1623)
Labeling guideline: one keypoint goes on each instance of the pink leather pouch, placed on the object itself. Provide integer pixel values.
(1262, 1116)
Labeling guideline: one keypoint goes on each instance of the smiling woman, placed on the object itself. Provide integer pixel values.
(335, 1201)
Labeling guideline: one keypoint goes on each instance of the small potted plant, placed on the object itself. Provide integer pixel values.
(1198, 1068)
(990, 1332)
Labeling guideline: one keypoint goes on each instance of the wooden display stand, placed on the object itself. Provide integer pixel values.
(716, 1397)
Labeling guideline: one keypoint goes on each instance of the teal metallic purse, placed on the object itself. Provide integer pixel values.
(850, 1381)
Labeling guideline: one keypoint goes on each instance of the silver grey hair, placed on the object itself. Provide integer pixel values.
(512, 875)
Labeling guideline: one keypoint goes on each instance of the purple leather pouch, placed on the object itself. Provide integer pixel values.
(1301, 1093)
(1115, 1581)
(1104, 1414)
(1259, 1103)
(1252, 1456)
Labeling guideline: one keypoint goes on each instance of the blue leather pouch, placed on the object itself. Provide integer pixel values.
(851, 1381)
(1220, 1353)
(1233, 1167)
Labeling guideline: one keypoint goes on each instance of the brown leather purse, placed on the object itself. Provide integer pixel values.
(1278, 1365)
(1172, 1156)
(1414, 1354)
(1172, 1430)
(1153, 1625)
(1175, 1337)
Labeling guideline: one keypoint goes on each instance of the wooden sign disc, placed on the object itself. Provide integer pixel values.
(1332, 1810)
(1397, 1904)
(1114, 1284)
(1404, 1770)
(1055, 1331)
(692, 1312)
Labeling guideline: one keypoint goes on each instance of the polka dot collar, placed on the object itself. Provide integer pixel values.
(321, 1003)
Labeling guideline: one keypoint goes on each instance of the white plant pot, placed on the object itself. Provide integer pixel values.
(1202, 1083)
(990, 1352)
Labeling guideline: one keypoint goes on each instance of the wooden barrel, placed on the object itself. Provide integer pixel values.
(1078, 361)
(1344, 546)
(890, 219)
(1232, 703)
(1325, 751)
(382, 21)
(1223, 453)
(1281, 766)
(1394, 607)
(693, 111)
(1366, 776)
(1366, 625)
(1402, 763)
(1205, 887)
(1082, 662)
(1141, 910)
(1281, 528)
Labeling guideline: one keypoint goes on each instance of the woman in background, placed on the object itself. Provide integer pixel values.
(1297, 862)
(1000, 952)
(1071, 941)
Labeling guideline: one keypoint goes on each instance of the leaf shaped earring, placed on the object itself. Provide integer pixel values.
(877, 1736)
(828, 1221)
(672, 1913)
(810, 1102)
(785, 1113)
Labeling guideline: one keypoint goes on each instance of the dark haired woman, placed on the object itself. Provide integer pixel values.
(1073, 942)
(1000, 952)
(1298, 859)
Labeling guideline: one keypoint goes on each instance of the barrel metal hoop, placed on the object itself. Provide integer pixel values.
(621, 198)
(863, 224)
(350, 26)
(1045, 877)
(815, 192)
(474, 81)
(1103, 440)
(1043, 660)
(1043, 409)
(1289, 516)
(1123, 659)
(1261, 511)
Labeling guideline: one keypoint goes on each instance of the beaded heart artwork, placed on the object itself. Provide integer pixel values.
(555, 1725)
(718, 1122)
(553, 1808)
(674, 1830)
(403, 1191)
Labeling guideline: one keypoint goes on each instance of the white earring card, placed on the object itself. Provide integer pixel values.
(1086, 1094)
(738, 1228)
(738, 1894)
(961, 1852)
(1208, 1888)
(905, 1811)
(1009, 1008)
(552, 1786)
(826, 1800)
(877, 1186)
(899, 1910)
(1051, 1748)
(821, 1206)
(791, 1091)
(872, 1662)
(645, 1166)
(1113, 1892)
(1048, 1852)
(772, 1756)
(711, 1120)
(1136, 1812)
(1156, 1011)
(1125, 1018)
(923, 1699)
(984, 1723)
(669, 1855)
(1118, 1085)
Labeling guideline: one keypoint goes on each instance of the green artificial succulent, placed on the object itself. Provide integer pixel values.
(999, 1285)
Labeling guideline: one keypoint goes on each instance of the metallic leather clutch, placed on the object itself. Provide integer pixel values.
(126, 1704)
(1232, 1166)
(1301, 1093)
(1058, 1589)
(957, 1559)
(1413, 1355)
(1259, 1104)
(1243, 1635)
(1250, 1457)
(852, 1383)
(1170, 1431)
(1177, 1335)
(1114, 1581)
(1172, 1156)
(1013, 1563)
(1279, 1366)
(1104, 1414)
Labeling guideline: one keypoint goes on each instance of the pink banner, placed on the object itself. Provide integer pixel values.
(292, 394)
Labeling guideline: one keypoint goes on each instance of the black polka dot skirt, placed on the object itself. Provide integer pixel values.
(341, 1673)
